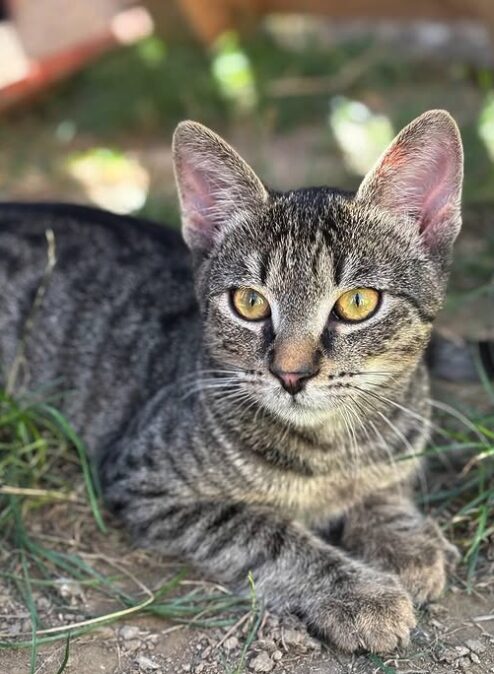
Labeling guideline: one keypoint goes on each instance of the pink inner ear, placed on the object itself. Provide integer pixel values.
(419, 180)
(441, 190)
(198, 202)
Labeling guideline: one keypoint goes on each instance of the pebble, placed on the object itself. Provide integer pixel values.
(70, 589)
(475, 645)
(300, 640)
(438, 625)
(449, 655)
(15, 628)
(146, 663)
(133, 645)
(475, 658)
(461, 651)
(128, 632)
(106, 633)
(43, 604)
(231, 644)
(277, 655)
(265, 645)
(200, 668)
(293, 637)
(261, 663)
(465, 663)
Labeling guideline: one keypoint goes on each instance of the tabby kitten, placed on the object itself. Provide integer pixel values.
(251, 403)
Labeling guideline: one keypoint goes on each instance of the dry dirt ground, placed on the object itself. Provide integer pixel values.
(456, 634)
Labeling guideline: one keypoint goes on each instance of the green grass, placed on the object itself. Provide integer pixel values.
(34, 442)
(380, 665)
(256, 614)
(467, 506)
(41, 459)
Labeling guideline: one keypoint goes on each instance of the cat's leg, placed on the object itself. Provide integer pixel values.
(341, 600)
(388, 531)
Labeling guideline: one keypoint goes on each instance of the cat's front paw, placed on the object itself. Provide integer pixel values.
(424, 561)
(372, 612)
(413, 548)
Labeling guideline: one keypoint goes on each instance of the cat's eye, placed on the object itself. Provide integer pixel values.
(250, 304)
(357, 305)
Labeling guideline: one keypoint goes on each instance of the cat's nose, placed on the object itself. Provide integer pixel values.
(293, 382)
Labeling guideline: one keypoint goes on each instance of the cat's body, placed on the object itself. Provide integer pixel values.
(200, 449)
(103, 340)
(118, 331)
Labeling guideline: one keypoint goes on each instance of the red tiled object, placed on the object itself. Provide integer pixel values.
(47, 71)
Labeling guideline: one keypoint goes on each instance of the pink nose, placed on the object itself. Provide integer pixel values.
(290, 380)
(293, 382)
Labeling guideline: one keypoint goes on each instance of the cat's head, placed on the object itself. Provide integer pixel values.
(312, 298)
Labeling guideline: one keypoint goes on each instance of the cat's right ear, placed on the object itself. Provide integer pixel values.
(419, 179)
(217, 189)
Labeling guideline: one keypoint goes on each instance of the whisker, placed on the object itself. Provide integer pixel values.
(416, 415)
(456, 414)
(195, 374)
(231, 398)
(199, 387)
(377, 432)
(427, 422)
(353, 449)
(382, 373)
(401, 436)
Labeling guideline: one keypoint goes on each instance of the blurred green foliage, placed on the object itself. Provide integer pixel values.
(138, 94)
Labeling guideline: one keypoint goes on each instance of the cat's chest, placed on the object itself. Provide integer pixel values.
(315, 500)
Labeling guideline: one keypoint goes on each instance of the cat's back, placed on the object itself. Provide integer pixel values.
(86, 226)
(107, 302)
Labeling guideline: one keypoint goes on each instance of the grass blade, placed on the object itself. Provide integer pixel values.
(65, 658)
(70, 434)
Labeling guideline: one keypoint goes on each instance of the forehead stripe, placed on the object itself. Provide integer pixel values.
(264, 267)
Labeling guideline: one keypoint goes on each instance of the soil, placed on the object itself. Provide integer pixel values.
(455, 634)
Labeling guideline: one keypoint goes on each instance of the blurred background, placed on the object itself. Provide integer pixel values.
(310, 92)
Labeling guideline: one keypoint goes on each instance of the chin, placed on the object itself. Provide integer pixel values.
(303, 410)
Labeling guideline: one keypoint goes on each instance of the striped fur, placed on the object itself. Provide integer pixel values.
(199, 449)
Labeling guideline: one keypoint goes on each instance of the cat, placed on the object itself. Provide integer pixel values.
(258, 402)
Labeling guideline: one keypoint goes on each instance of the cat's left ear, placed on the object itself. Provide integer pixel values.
(217, 188)
(419, 178)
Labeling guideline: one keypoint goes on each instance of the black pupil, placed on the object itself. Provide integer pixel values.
(358, 300)
(252, 299)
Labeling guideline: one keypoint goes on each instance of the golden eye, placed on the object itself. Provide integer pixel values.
(250, 304)
(356, 305)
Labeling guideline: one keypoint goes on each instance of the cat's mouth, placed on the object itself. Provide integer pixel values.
(305, 408)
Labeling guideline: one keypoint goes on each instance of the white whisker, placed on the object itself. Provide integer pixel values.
(401, 436)
(456, 414)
